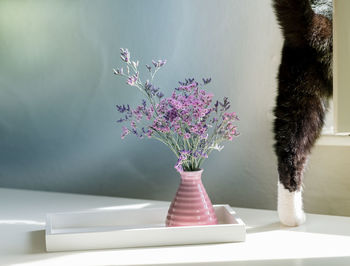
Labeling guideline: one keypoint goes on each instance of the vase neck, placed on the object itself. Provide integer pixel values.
(191, 175)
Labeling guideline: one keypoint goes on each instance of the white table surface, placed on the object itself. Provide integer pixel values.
(322, 240)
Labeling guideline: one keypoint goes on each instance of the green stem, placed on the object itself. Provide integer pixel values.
(165, 141)
(167, 145)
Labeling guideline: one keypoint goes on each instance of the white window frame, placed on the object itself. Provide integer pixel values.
(341, 64)
(337, 128)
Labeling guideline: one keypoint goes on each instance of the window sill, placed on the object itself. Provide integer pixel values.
(334, 140)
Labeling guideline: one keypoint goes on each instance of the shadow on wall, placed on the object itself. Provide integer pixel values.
(58, 94)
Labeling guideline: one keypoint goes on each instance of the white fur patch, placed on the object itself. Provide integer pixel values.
(323, 7)
(290, 206)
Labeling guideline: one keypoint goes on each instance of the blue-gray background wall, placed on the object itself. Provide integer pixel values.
(58, 96)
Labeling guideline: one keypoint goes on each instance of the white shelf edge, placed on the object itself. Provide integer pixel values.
(334, 140)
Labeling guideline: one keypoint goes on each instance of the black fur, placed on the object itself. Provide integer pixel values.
(304, 86)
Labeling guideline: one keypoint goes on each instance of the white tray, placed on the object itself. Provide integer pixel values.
(135, 228)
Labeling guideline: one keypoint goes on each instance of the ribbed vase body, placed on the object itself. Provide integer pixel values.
(191, 205)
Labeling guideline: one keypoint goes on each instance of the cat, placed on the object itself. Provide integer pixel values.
(305, 84)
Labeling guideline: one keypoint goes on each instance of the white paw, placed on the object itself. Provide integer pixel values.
(290, 207)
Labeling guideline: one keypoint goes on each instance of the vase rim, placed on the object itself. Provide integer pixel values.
(191, 175)
(197, 171)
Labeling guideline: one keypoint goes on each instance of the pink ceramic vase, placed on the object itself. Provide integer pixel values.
(191, 205)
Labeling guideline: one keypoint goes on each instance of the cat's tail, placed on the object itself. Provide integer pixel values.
(294, 17)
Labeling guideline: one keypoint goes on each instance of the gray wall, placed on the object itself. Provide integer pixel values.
(58, 96)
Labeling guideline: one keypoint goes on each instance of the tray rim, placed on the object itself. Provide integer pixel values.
(48, 226)
(114, 238)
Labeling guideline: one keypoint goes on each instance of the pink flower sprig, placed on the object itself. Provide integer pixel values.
(188, 121)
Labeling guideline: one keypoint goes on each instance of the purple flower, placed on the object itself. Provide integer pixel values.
(154, 90)
(132, 80)
(125, 132)
(125, 55)
(182, 158)
(133, 125)
(187, 121)
(187, 82)
(200, 154)
(187, 135)
(206, 81)
(178, 166)
(148, 85)
(230, 116)
(123, 108)
(161, 63)
(158, 63)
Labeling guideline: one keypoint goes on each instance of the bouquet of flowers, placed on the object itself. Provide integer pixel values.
(188, 121)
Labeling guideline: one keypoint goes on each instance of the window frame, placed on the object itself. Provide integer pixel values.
(341, 63)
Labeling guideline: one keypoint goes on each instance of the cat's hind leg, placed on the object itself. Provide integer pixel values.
(290, 206)
(295, 134)
(294, 137)
(290, 201)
